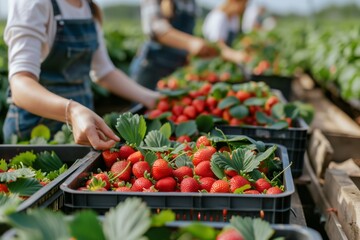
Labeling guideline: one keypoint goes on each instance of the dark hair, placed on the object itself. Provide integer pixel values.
(96, 11)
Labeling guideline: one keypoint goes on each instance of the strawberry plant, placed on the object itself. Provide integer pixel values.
(163, 164)
(28, 172)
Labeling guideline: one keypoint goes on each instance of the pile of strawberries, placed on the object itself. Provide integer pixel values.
(202, 101)
(128, 171)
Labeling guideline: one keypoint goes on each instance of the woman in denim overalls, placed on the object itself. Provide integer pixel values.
(168, 47)
(62, 92)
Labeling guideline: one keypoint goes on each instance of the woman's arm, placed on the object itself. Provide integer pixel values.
(88, 127)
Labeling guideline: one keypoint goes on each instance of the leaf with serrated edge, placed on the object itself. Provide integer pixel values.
(8, 205)
(166, 130)
(252, 229)
(24, 186)
(18, 173)
(155, 139)
(244, 160)
(128, 221)
(188, 128)
(131, 127)
(265, 155)
(47, 161)
(183, 160)
(3, 165)
(26, 158)
(80, 226)
(40, 224)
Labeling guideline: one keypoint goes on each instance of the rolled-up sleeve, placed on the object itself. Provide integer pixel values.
(101, 63)
(25, 34)
(153, 22)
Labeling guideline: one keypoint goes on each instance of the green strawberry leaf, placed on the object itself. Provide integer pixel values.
(24, 186)
(188, 128)
(252, 228)
(129, 220)
(81, 223)
(277, 111)
(183, 160)
(166, 130)
(160, 219)
(239, 112)
(41, 131)
(8, 205)
(242, 189)
(263, 118)
(267, 154)
(156, 141)
(40, 224)
(3, 165)
(204, 123)
(254, 101)
(217, 170)
(47, 161)
(25, 158)
(199, 230)
(18, 173)
(174, 93)
(280, 125)
(131, 127)
(150, 157)
(228, 102)
(291, 111)
(54, 174)
(154, 124)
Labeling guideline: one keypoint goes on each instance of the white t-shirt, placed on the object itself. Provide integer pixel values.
(30, 33)
(217, 26)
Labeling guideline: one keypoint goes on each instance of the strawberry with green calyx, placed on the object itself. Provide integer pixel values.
(110, 156)
(139, 169)
(274, 190)
(220, 186)
(125, 151)
(167, 184)
(189, 184)
(203, 169)
(121, 170)
(203, 154)
(182, 172)
(97, 184)
(262, 185)
(239, 182)
(136, 157)
(206, 183)
(203, 141)
(161, 169)
(141, 183)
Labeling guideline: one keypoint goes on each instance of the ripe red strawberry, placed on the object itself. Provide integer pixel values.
(163, 105)
(217, 112)
(190, 112)
(186, 101)
(203, 169)
(262, 184)
(238, 182)
(230, 234)
(3, 188)
(161, 169)
(181, 172)
(211, 102)
(123, 189)
(140, 184)
(203, 141)
(274, 190)
(182, 118)
(173, 83)
(110, 156)
(231, 173)
(220, 186)
(243, 95)
(205, 89)
(139, 168)
(177, 110)
(203, 154)
(135, 157)
(189, 184)
(104, 177)
(235, 122)
(199, 105)
(125, 151)
(154, 113)
(122, 170)
(167, 184)
(206, 183)
(270, 102)
(183, 138)
(251, 191)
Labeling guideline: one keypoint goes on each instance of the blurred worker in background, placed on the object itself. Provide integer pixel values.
(256, 17)
(169, 25)
(53, 47)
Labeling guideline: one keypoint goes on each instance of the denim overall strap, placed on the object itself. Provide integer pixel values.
(65, 72)
(230, 38)
(155, 60)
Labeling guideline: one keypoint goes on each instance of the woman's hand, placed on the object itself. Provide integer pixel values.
(89, 128)
(199, 47)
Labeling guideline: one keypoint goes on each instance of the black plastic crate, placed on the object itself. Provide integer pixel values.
(287, 231)
(282, 83)
(187, 206)
(50, 195)
(293, 138)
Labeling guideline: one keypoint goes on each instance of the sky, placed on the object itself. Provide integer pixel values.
(301, 7)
